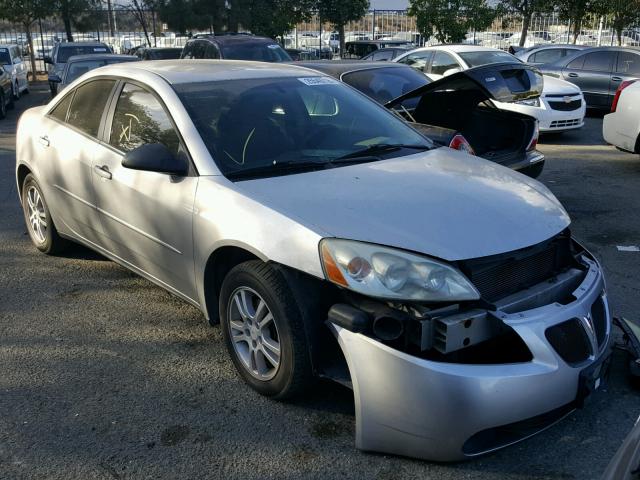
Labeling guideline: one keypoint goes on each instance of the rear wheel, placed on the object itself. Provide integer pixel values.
(41, 229)
(16, 91)
(3, 106)
(263, 331)
(533, 171)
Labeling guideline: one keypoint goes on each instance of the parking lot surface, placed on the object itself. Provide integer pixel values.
(103, 375)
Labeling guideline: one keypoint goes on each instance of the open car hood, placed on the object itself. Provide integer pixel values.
(503, 82)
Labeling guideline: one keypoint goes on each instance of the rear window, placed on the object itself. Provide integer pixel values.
(475, 59)
(165, 54)
(385, 84)
(64, 51)
(259, 52)
(628, 63)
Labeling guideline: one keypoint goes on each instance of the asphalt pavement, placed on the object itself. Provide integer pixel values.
(104, 375)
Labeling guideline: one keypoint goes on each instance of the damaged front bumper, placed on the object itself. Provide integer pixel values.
(411, 406)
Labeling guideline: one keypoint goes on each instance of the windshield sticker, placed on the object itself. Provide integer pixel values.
(4, 50)
(318, 81)
(274, 46)
(99, 49)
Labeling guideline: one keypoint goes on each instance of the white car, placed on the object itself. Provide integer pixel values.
(14, 65)
(561, 106)
(622, 126)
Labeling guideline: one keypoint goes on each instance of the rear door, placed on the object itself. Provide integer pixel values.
(146, 216)
(592, 73)
(627, 68)
(67, 139)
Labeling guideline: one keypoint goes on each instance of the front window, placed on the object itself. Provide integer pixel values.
(256, 52)
(5, 58)
(485, 57)
(275, 126)
(64, 52)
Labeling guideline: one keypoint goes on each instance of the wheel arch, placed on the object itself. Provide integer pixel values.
(21, 173)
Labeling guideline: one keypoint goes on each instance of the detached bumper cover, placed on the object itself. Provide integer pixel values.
(440, 411)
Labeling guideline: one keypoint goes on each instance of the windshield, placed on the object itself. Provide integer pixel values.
(260, 52)
(5, 58)
(263, 124)
(79, 68)
(64, 52)
(385, 84)
(475, 59)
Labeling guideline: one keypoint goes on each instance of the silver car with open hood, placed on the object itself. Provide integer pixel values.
(329, 238)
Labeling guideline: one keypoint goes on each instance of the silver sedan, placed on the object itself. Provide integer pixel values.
(329, 238)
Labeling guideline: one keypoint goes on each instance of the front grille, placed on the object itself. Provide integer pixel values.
(565, 123)
(570, 340)
(566, 107)
(502, 275)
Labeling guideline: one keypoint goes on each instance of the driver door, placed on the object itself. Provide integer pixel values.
(146, 215)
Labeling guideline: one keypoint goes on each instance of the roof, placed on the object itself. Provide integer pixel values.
(159, 49)
(101, 56)
(194, 71)
(233, 39)
(336, 68)
(377, 42)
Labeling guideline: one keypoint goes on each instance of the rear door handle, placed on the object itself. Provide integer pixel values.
(44, 140)
(616, 79)
(573, 75)
(103, 171)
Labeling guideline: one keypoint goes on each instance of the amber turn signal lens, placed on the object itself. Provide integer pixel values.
(331, 269)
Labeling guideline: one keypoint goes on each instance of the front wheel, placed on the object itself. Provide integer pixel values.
(263, 330)
(41, 229)
(16, 91)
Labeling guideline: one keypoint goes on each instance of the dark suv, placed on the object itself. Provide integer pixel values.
(235, 47)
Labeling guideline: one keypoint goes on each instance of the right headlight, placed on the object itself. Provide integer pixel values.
(531, 102)
(390, 273)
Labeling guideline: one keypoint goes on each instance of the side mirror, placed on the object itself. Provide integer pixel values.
(155, 157)
(451, 71)
(47, 59)
(55, 79)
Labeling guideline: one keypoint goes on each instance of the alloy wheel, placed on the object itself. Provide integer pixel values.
(254, 333)
(37, 215)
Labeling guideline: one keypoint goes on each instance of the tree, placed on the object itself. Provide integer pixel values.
(450, 20)
(25, 13)
(341, 12)
(526, 8)
(75, 12)
(624, 14)
(274, 18)
(575, 11)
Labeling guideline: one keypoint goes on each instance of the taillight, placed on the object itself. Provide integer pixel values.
(622, 86)
(458, 142)
(533, 143)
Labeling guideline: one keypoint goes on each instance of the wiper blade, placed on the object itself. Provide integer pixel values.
(276, 168)
(372, 150)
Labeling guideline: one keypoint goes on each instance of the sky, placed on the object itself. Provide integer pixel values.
(389, 4)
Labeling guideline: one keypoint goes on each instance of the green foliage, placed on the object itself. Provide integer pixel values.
(624, 13)
(450, 20)
(273, 18)
(340, 12)
(25, 12)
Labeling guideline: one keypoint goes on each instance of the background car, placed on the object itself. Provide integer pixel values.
(450, 111)
(6, 93)
(542, 54)
(361, 48)
(622, 126)
(13, 64)
(234, 46)
(598, 72)
(78, 65)
(386, 54)
(561, 106)
(158, 53)
(62, 51)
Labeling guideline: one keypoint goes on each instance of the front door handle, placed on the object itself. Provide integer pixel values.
(616, 79)
(573, 75)
(44, 140)
(103, 171)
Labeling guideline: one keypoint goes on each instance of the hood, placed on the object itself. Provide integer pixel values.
(442, 203)
(557, 86)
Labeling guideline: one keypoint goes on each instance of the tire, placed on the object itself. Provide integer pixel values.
(16, 91)
(533, 171)
(256, 282)
(45, 238)
(3, 106)
(11, 104)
